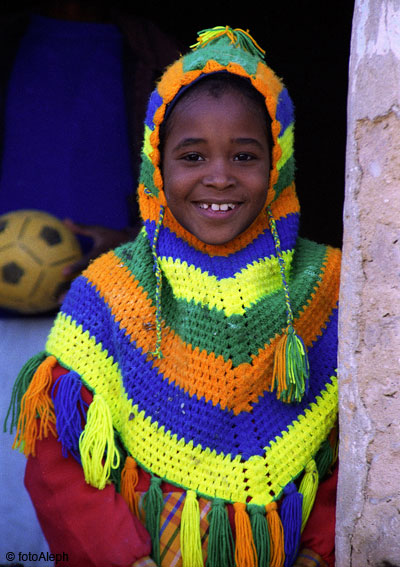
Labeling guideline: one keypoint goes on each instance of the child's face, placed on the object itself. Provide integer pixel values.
(216, 164)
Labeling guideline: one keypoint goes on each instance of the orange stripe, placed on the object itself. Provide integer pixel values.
(205, 374)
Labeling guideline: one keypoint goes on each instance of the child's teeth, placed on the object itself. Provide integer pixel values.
(217, 207)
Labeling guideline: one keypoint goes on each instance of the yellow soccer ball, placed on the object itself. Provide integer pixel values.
(34, 249)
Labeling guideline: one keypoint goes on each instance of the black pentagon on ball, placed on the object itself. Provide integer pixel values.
(12, 273)
(3, 224)
(50, 235)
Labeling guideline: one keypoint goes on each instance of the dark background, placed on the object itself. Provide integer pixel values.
(307, 43)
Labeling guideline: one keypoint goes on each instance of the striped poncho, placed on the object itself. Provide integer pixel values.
(176, 340)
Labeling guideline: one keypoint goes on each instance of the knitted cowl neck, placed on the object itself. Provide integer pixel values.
(176, 338)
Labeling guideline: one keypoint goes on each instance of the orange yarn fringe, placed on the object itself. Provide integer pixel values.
(275, 529)
(129, 481)
(245, 550)
(36, 403)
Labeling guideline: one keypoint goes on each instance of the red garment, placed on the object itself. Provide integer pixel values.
(96, 528)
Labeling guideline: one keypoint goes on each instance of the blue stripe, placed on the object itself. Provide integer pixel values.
(284, 110)
(191, 418)
(154, 103)
(171, 246)
(172, 512)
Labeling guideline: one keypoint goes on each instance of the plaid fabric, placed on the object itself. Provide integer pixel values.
(170, 552)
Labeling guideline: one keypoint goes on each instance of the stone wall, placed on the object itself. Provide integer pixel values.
(368, 514)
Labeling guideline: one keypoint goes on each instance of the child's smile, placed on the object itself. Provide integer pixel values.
(216, 165)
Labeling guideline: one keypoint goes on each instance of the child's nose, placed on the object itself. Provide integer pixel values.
(219, 176)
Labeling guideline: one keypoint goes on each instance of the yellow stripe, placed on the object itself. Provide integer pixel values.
(147, 147)
(231, 295)
(286, 144)
(213, 474)
(218, 474)
(88, 359)
(289, 453)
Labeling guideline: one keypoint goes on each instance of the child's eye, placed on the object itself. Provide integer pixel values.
(243, 157)
(192, 156)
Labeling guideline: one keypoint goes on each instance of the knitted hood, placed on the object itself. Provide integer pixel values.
(232, 51)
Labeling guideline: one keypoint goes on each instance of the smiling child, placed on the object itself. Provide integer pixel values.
(203, 165)
(187, 396)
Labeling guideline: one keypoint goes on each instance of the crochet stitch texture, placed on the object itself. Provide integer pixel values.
(204, 416)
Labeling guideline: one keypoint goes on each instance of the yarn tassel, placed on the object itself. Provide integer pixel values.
(308, 488)
(20, 386)
(115, 473)
(245, 550)
(153, 505)
(324, 459)
(291, 368)
(220, 539)
(96, 444)
(70, 410)
(259, 526)
(129, 481)
(276, 536)
(36, 403)
(291, 521)
(192, 555)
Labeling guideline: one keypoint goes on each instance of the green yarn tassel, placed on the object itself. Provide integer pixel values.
(20, 386)
(220, 539)
(238, 37)
(291, 368)
(259, 526)
(324, 459)
(153, 505)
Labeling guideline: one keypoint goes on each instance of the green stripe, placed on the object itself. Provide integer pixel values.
(169, 543)
(224, 55)
(146, 175)
(286, 176)
(211, 330)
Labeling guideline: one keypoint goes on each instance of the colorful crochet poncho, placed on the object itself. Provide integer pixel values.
(176, 340)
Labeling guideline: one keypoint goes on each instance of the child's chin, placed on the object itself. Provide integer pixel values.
(214, 239)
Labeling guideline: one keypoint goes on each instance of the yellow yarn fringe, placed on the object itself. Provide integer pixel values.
(190, 532)
(275, 529)
(245, 550)
(36, 403)
(308, 488)
(96, 444)
(129, 481)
